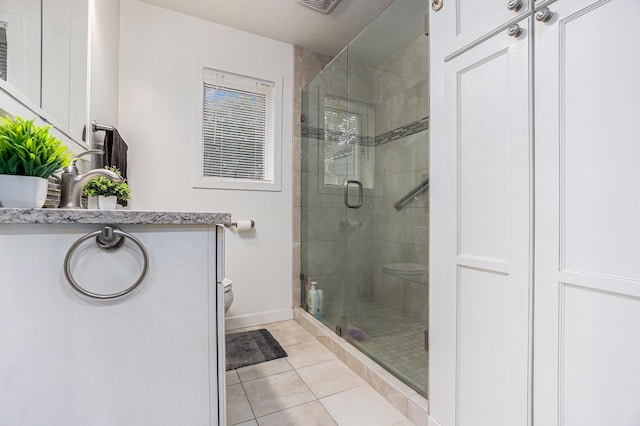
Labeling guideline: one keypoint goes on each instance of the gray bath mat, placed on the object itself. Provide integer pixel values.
(251, 347)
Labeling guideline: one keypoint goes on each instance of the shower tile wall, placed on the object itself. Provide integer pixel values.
(401, 86)
(307, 65)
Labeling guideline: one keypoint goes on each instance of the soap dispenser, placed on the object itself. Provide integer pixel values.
(318, 313)
(312, 299)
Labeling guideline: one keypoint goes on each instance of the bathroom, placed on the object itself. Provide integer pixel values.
(393, 342)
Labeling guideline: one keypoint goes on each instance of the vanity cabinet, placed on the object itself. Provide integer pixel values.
(152, 357)
(540, 229)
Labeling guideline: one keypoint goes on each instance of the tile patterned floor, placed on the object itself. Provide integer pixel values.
(392, 339)
(309, 387)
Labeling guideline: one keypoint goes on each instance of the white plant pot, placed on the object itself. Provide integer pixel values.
(107, 203)
(24, 192)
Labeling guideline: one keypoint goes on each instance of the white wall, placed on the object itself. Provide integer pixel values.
(159, 52)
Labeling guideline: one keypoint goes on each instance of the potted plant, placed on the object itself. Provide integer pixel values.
(29, 155)
(107, 191)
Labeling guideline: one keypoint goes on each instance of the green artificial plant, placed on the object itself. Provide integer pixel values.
(104, 186)
(30, 150)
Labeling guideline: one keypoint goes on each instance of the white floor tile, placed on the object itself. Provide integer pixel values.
(264, 369)
(278, 392)
(238, 408)
(289, 333)
(231, 378)
(309, 414)
(329, 377)
(404, 423)
(308, 353)
(249, 423)
(361, 406)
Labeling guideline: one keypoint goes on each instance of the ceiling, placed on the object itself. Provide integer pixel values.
(286, 20)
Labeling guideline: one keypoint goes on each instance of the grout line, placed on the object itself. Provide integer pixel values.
(249, 402)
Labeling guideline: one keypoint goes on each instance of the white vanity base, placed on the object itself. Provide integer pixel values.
(150, 358)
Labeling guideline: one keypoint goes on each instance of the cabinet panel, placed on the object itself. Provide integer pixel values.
(469, 20)
(492, 370)
(597, 384)
(599, 230)
(587, 232)
(483, 148)
(488, 168)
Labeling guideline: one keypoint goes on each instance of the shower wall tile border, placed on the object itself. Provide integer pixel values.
(402, 397)
(386, 137)
(403, 131)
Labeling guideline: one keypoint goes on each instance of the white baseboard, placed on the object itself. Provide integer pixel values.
(242, 321)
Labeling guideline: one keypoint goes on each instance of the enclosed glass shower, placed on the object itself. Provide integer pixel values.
(364, 195)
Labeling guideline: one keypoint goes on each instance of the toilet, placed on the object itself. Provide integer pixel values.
(407, 271)
(228, 293)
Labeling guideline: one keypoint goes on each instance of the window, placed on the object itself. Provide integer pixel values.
(349, 142)
(238, 140)
(3, 51)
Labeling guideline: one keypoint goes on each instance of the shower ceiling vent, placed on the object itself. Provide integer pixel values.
(324, 6)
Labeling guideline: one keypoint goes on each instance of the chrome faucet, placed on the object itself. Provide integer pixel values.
(73, 181)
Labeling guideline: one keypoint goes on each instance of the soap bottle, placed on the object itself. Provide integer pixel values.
(320, 300)
(312, 299)
(306, 292)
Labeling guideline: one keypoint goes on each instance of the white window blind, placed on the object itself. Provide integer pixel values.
(349, 136)
(238, 127)
(3, 51)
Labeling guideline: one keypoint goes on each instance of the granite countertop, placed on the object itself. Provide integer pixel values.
(112, 217)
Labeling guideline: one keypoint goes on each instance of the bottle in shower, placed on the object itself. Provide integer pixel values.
(312, 299)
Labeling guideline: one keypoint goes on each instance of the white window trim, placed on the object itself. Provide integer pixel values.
(202, 182)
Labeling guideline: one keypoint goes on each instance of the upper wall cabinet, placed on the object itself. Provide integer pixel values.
(469, 20)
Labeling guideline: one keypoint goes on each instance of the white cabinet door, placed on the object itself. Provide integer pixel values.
(144, 359)
(587, 256)
(488, 213)
(469, 20)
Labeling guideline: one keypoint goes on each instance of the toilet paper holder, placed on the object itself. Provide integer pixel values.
(235, 224)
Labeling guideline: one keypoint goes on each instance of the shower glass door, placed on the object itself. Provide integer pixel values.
(323, 174)
(364, 209)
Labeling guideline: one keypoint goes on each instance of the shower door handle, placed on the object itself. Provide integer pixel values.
(346, 194)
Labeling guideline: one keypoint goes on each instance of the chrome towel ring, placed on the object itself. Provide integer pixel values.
(108, 238)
